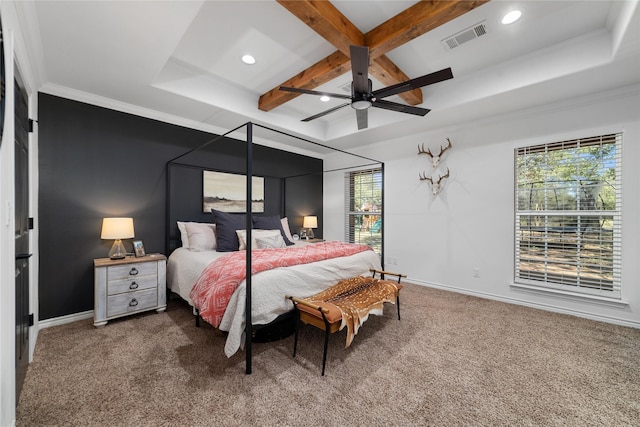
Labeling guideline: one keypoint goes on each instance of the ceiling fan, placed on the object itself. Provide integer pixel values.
(362, 97)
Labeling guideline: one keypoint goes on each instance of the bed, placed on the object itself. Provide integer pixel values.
(186, 265)
(289, 190)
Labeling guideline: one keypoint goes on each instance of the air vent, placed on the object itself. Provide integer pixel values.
(473, 32)
(346, 88)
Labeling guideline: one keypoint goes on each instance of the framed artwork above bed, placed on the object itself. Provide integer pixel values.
(226, 192)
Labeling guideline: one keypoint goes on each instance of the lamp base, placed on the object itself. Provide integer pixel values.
(310, 233)
(117, 250)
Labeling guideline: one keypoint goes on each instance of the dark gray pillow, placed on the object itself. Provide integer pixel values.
(226, 226)
(270, 223)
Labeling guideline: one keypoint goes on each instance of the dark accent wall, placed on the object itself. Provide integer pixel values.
(95, 163)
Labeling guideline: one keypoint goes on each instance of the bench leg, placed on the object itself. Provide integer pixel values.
(326, 346)
(326, 342)
(398, 305)
(295, 333)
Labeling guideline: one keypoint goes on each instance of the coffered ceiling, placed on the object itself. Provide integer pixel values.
(180, 61)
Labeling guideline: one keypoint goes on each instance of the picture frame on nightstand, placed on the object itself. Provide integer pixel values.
(138, 248)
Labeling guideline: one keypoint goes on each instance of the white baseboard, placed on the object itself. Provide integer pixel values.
(62, 320)
(518, 301)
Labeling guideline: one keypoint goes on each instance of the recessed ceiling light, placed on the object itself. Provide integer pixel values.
(324, 98)
(248, 59)
(511, 17)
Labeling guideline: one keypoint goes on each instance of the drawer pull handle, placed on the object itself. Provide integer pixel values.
(133, 285)
(133, 272)
(133, 303)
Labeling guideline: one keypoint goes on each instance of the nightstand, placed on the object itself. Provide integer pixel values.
(127, 286)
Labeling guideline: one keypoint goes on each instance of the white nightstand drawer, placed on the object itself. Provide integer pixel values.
(136, 283)
(116, 272)
(131, 302)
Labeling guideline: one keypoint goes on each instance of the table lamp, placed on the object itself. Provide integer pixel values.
(310, 222)
(117, 228)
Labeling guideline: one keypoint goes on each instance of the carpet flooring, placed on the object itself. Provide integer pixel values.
(452, 360)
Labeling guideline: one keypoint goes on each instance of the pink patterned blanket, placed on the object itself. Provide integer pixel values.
(219, 280)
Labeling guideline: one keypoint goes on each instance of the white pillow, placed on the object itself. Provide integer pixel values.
(242, 237)
(184, 237)
(201, 236)
(286, 229)
(270, 242)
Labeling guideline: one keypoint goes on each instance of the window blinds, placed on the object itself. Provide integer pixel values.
(363, 204)
(568, 215)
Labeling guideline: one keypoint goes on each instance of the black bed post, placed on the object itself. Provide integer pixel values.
(167, 211)
(248, 225)
(382, 219)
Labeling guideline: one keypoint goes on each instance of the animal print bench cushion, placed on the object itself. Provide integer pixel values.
(352, 300)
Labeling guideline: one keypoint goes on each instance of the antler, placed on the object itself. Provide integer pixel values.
(443, 176)
(442, 150)
(436, 158)
(421, 150)
(423, 177)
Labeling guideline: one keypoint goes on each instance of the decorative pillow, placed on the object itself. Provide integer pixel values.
(255, 234)
(201, 236)
(184, 237)
(285, 227)
(226, 226)
(270, 242)
(270, 223)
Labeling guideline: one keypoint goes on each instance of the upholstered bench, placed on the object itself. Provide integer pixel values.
(347, 303)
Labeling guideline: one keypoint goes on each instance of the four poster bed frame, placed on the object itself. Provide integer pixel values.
(249, 135)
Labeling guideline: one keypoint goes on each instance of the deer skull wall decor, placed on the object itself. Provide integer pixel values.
(435, 186)
(435, 160)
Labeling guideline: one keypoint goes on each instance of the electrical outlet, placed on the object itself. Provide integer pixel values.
(476, 272)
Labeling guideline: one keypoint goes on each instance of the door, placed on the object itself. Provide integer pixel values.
(21, 233)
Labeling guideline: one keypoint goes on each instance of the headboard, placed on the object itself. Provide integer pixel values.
(293, 184)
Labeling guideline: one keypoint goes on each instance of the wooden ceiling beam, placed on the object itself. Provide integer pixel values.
(325, 19)
(325, 70)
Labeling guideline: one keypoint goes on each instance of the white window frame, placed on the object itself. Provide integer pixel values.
(359, 222)
(548, 256)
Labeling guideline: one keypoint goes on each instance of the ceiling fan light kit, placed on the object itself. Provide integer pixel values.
(363, 97)
(362, 104)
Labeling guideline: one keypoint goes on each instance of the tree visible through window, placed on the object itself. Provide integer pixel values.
(364, 208)
(568, 215)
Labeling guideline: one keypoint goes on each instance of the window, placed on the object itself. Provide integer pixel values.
(568, 215)
(364, 208)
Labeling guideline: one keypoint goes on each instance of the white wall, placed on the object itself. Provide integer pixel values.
(439, 241)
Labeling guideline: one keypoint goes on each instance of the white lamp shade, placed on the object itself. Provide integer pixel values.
(117, 228)
(310, 222)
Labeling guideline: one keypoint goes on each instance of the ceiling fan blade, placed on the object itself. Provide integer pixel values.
(314, 92)
(360, 68)
(401, 108)
(324, 113)
(418, 82)
(363, 119)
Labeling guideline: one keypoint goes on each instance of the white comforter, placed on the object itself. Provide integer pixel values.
(268, 287)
